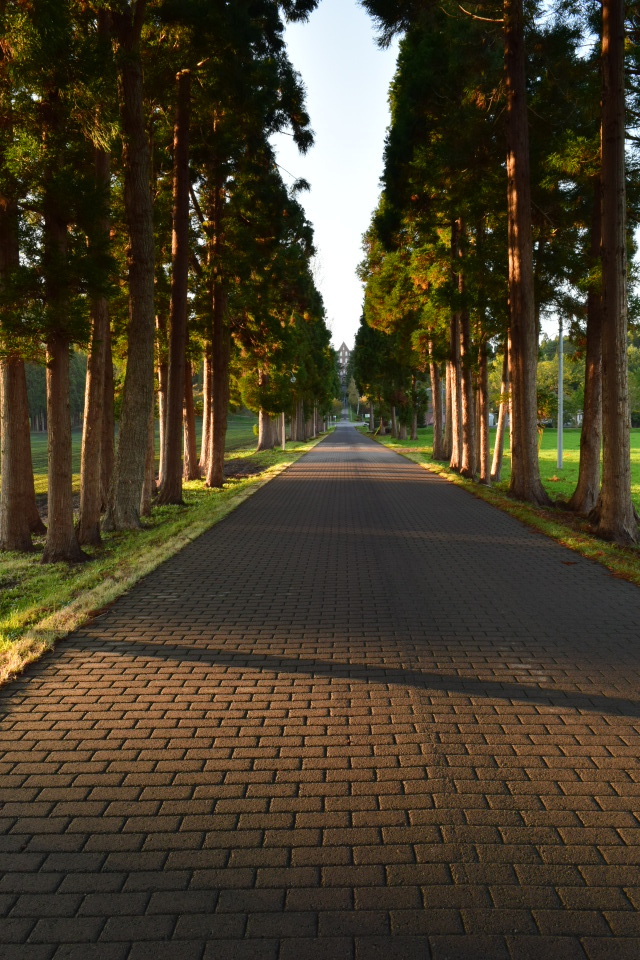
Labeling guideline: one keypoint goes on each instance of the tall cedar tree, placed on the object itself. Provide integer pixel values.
(19, 516)
(123, 508)
(614, 511)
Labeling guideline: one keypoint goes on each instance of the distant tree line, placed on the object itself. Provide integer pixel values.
(143, 219)
(507, 196)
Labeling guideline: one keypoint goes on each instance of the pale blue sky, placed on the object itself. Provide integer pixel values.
(347, 80)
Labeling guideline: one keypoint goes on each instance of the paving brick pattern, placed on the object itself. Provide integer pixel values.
(366, 716)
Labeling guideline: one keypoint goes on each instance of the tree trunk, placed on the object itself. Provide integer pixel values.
(498, 450)
(171, 489)
(18, 509)
(436, 406)
(62, 542)
(394, 423)
(614, 513)
(483, 418)
(372, 418)
(88, 530)
(15, 495)
(468, 459)
(447, 442)
(107, 447)
(149, 485)
(123, 510)
(585, 496)
(163, 376)
(191, 464)
(207, 385)
(221, 346)
(525, 473)
(456, 392)
(266, 435)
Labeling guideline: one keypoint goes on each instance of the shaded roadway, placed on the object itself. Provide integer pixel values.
(366, 715)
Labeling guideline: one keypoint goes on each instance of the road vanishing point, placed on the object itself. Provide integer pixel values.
(365, 716)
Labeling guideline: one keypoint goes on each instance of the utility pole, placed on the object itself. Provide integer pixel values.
(560, 393)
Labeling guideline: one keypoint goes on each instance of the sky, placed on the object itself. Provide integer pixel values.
(347, 79)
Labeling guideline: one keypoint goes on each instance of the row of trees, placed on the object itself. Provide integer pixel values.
(452, 271)
(143, 217)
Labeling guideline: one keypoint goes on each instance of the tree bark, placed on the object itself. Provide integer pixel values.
(266, 431)
(455, 387)
(62, 542)
(498, 449)
(483, 417)
(15, 463)
(107, 446)
(88, 530)
(172, 467)
(468, 459)
(149, 485)
(19, 514)
(191, 463)
(585, 496)
(436, 405)
(447, 442)
(614, 513)
(123, 510)
(207, 385)
(163, 375)
(221, 347)
(525, 473)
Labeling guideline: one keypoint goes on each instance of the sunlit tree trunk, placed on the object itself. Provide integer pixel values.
(191, 464)
(503, 413)
(19, 515)
(163, 374)
(207, 391)
(455, 386)
(221, 346)
(92, 435)
(149, 485)
(17, 492)
(62, 542)
(525, 481)
(484, 465)
(447, 442)
(615, 518)
(171, 488)
(436, 405)
(585, 496)
(107, 446)
(123, 510)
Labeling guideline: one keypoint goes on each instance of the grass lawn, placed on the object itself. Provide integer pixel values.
(239, 434)
(563, 526)
(40, 603)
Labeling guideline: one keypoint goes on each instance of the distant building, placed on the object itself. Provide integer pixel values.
(343, 372)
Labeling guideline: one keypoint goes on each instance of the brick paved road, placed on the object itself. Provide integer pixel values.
(366, 716)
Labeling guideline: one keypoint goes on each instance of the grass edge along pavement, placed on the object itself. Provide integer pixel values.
(63, 597)
(561, 525)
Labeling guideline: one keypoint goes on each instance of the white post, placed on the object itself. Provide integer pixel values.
(284, 432)
(560, 394)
